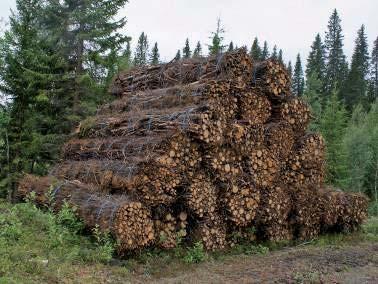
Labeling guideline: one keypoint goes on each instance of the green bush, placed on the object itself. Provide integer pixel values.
(195, 254)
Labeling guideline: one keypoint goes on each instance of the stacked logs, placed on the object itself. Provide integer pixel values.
(208, 149)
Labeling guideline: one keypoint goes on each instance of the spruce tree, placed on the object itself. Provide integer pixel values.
(155, 56)
(298, 78)
(231, 46)
(256, 52)
(280, 55)
(265, 51)
(141, 51)
(124, 61)
(336, 65)
(178, 55)
(333, 126)
(216, 47)
(316, 59)
(355, 89)
(186, 52)
(313, 96)
(274, 53)
(290, 69)
(198, 50)
(373, 86)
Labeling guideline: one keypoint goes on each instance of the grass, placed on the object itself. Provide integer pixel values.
(37, 246)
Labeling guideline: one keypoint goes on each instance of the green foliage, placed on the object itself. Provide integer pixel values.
(274, 53)
(298, 78)
(256, 52)
(290, 69)
(336, 65)
(34, 243)
(265, 51)
(313, 96)
(178, 55)
(280, 56)
(216, 47)
(373, 85)
(198, 50)
(141, 51)
(316, 59)
(186, 52)
(155, 56)
(356, 86)
(361, 144)
(195, 254)
(231, 46)
(333, 126)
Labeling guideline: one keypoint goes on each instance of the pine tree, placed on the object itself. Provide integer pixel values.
(141, 51)
(336, 65)
(216, 47)
(298, 78)
(256, 52)
(124, 61)
(373, 86)
(290, 69)
(313, 96)
(332, 126)
(231, 46)
(265, 51)
(274, 53)
(198, 50)
(178, 55)
(355, 87)
(186, 52)
(155, 56)
(280, 55)
(316, 59)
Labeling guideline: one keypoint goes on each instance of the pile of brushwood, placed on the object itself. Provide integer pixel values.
(206, 149)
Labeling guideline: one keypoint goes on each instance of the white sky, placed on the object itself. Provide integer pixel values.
(291, 24)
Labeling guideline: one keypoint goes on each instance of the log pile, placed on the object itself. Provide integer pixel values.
(207, 149)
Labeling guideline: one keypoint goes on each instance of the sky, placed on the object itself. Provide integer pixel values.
(290, 24)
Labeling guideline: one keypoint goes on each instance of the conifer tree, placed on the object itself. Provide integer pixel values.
(256, 52)
(313, 96)
(198, 50)
(231, 46)
(298, 78)
(274, 53)
(216, 47)
(124, 61)
(316, 59)
(155, 56)
(280, 55)
(186, 52)
(373, 86)
(290, 69)
(336, 65)
(355, 87)
(178, 55)
(141, 51)
(333, 126)
(265, 51)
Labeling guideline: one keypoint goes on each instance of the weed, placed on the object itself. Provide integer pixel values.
(195, 254)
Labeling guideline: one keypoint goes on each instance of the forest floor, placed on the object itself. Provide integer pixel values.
(36, 248)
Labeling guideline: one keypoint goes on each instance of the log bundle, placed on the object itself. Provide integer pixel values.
(208, 149)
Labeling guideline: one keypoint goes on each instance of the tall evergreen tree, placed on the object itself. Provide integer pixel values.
(373, 90)
(231, 46)
(178, 55)
(216, 46)
(265, 51)
(298, 78)
(274, 53)
(155, 56)
(186, 52)
(355, 87)
(125, 60)
(313, 96)
(280, 56)
(333, 126)
(198, 50)
(141, 51)
(256, 52)
(336, 65)
(316, 59)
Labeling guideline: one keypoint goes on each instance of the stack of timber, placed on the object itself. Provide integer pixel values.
(201, 149)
